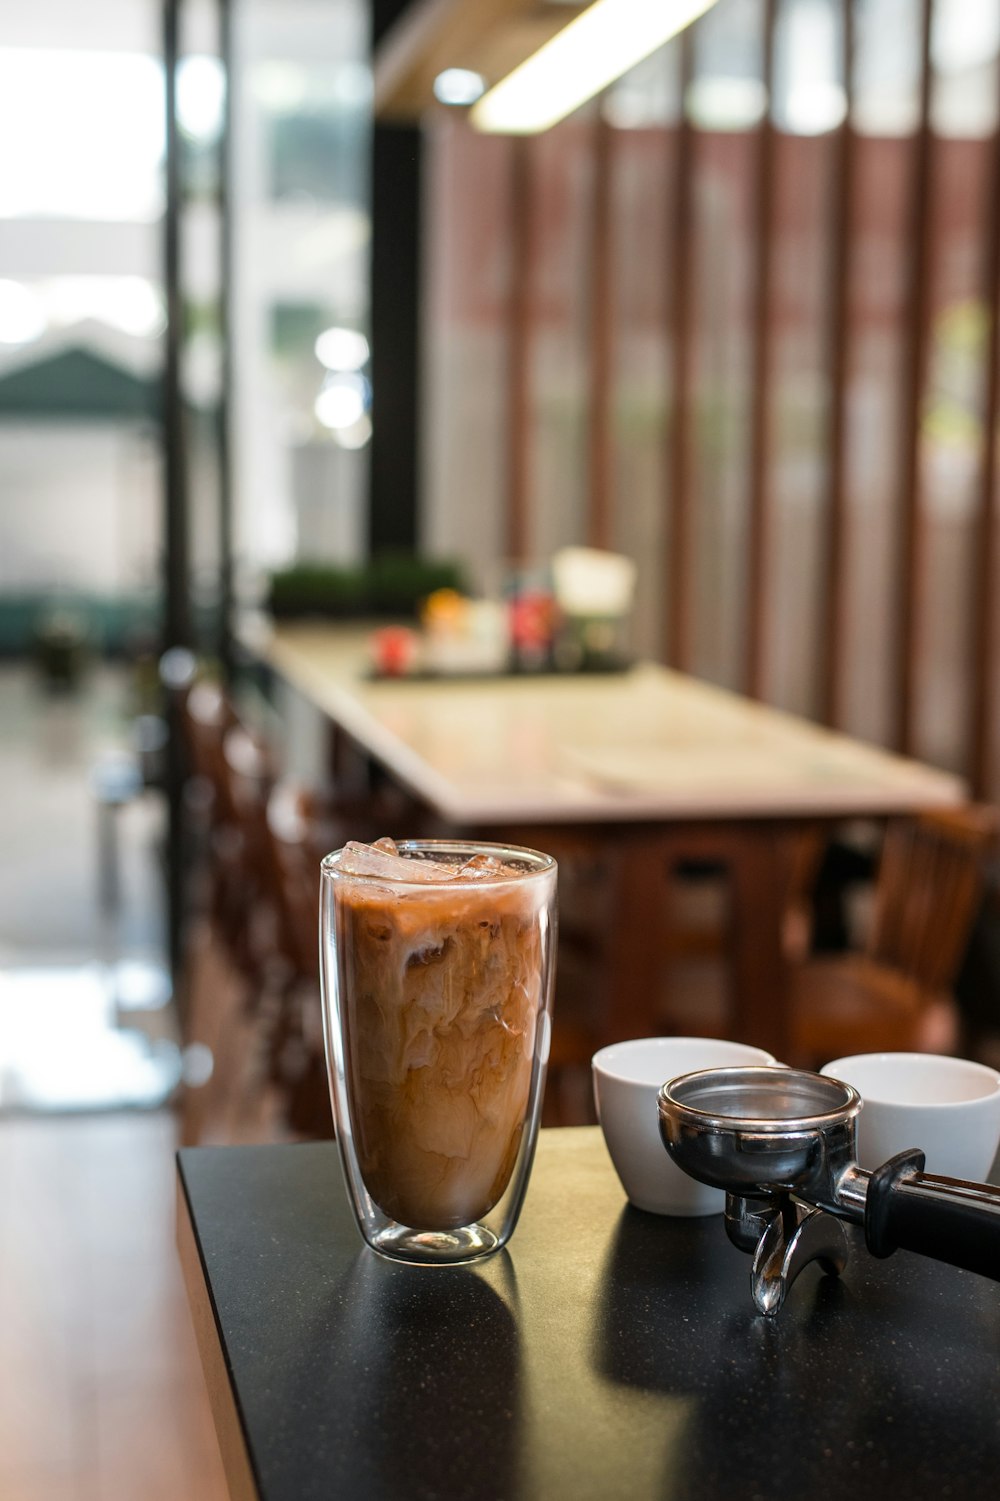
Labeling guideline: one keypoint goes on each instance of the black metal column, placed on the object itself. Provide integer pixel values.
(225, 408)
(395, 310)
(393, 505)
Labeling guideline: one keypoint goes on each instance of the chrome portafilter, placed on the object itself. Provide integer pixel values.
(781, 1143)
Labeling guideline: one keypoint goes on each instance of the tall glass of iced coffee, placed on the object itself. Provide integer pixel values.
(437, 967)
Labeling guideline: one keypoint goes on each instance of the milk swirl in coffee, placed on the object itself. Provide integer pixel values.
(441, 981)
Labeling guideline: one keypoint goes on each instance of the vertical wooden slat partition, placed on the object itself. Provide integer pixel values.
(914, 345)
(600, 497)
(519, 386)
(758, 498)
(984, 582)
(844, 156)
(833, 601)
(677, 620)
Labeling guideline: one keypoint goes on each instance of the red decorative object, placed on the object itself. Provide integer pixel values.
(532, 622)
(394, 648)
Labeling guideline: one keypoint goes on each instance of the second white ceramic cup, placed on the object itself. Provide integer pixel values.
(627, 1078)
(948, 1107)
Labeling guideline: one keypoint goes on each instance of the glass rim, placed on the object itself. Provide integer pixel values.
(543, 864)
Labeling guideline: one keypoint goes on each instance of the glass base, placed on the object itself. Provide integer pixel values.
(434, 1247)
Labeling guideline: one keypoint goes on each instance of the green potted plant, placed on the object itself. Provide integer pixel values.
(390, 585)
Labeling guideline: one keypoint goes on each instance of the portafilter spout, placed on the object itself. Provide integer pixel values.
(781, 1143)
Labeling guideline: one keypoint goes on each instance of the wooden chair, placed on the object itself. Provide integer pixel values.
(895, 994)
(214, 856)
(252, 977)
(234, 957)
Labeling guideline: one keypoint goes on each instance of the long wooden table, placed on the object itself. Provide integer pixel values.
(648, 765)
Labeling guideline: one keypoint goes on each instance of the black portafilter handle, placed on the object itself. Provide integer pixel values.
(944, 1218)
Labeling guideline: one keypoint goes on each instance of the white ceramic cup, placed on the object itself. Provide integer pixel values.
(948, 1107)
(627, 1078)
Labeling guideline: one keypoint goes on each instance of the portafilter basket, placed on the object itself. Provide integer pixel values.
(781, 1143)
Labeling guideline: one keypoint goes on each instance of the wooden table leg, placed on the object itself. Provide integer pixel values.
(756, 857)
(639, 859)
(758, 866)
(635, 962)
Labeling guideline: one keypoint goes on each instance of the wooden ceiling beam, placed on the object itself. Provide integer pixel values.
(490, 37)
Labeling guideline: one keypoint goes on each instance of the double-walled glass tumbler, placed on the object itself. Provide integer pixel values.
(437, 968)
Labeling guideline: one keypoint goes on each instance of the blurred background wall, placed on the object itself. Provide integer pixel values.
(786, 221)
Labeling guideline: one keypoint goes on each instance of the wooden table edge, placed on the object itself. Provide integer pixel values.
(229, 1430)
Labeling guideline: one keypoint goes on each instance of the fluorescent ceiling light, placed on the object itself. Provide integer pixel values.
(459, 86)
(598, 46)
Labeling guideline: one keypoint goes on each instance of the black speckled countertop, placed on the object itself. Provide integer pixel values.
(606, 1354)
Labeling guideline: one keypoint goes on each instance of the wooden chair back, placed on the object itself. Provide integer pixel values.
(206, 715)
(302, 827)
(247, 774)
(929, 887)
